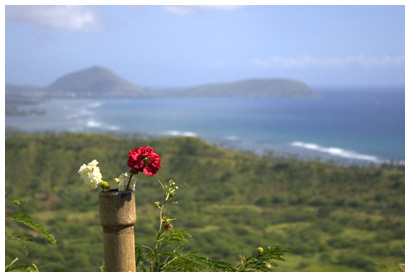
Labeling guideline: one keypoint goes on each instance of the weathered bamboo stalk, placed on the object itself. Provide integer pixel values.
(118, 216)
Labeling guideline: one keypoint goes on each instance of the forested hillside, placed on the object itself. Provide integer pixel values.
(331, 218)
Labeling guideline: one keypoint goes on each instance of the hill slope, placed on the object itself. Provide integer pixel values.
(96, 82)
(332, 218)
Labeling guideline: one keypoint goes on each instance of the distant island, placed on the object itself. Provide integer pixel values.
(99, 82)
(251, 88)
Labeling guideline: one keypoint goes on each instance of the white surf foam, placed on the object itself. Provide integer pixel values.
(113, 127)
(176, 133)
(334, 151)
(83, 112)
(94, 105)
(91, 123)
(231, 138)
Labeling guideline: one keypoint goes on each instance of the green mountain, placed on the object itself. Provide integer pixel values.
(331, 218)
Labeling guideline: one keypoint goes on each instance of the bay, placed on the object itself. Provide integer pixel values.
(360, 124)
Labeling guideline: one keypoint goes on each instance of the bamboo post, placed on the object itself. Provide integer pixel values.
(117, 217)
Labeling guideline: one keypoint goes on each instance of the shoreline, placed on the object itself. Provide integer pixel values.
(264, 149)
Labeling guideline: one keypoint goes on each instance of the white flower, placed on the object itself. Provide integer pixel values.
(123, 179)
(90, 174)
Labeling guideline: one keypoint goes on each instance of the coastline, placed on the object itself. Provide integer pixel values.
(334, 127)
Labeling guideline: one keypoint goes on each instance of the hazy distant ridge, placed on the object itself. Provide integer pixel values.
(98, 82)
(262, 88)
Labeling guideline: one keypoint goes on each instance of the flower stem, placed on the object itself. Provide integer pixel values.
(155, 251)
(129, 181)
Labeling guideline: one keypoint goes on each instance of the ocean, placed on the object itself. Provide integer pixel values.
(355, 124)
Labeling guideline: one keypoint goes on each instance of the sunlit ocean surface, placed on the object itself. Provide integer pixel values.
(356, 124)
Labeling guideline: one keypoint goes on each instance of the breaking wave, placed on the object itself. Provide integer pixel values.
(94, 105)
(95, 124)
(334, 151)
(231, 138)
(176, 133)
(85, 110)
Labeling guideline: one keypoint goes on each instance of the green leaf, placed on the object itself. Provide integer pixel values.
(17, 202)
(35, 267)
(190, 262)
(26, 268)
(28, 221)
(20, 238)
(10, 264)
(173, 235)
(162, 185)
(263, 261)
(139, 258)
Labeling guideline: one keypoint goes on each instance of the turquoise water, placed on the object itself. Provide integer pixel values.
(358, 124)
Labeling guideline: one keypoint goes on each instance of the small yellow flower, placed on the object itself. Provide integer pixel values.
(105, 185)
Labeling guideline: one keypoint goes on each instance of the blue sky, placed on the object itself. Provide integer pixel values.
(172, 46)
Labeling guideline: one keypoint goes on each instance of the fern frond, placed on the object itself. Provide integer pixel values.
(17, 202)
(172, 236)
(140, 258)
(10, 264)
(20, 238)
(28, 221)
(264, 261)
(190, 262)
(25, 268)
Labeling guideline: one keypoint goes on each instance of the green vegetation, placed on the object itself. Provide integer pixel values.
(169, 253)
(23, 237)
(331, 218)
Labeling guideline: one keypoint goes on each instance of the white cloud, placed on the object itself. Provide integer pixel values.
(73, 18)
(332, 62)
(190, 9)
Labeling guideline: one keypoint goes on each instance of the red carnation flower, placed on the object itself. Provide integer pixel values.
(145, 160)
